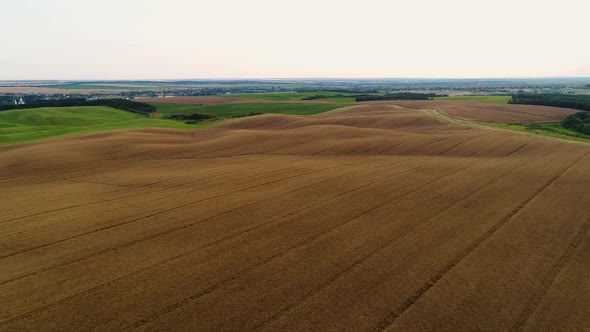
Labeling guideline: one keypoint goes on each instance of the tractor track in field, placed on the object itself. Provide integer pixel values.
(411, 301)
(371, 217)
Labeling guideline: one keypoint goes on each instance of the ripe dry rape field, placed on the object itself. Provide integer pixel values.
(372, 217)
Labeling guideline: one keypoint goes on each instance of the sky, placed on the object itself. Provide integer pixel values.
(182, 39)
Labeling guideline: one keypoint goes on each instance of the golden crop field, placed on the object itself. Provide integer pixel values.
(371, 217)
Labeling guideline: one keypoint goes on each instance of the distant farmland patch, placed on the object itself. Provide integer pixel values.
(93, 87)
(232, 110)
(282, 96)
(489, 99)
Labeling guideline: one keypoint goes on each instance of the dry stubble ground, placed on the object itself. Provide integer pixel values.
(372, 218)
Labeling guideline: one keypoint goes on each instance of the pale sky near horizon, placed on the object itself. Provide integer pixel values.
(175, 39)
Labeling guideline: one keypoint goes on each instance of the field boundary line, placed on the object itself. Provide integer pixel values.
(434, 113)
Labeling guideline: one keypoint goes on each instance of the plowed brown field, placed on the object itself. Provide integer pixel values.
(369, 218)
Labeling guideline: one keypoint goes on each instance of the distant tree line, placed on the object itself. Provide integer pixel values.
(121, 104)
(47, 103)
(6, 100)
(189, 116)
(125, 105)
(314, 97)
(335, 96)
(245, 115)
(351, 90)
(400, 96)
(579, 122)
(580, 102)
(203, 116)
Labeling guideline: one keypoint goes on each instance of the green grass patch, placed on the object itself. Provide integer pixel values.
(30, 124)
(282, 96)
(169, 109)
(340, 99)
(546, 129)
(489, 99)
(232, 110)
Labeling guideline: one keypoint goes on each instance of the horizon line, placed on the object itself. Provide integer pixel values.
(295, 78)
